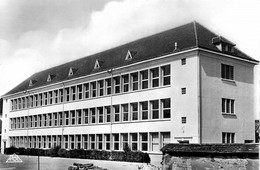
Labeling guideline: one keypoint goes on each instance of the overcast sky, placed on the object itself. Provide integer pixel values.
(38, 34)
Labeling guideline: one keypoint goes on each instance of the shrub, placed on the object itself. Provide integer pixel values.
(127, 155)
(53, 152)
(63, 153)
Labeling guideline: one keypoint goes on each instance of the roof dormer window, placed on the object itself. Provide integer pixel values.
(72, 71)
(223, 44)
(98, 64)
(32, 82)
(130, 55)
(50, 77)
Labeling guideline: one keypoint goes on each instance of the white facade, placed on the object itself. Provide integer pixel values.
(177, 121)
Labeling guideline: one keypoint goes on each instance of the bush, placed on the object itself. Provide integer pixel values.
(63, 153)
(127, 155)
(53, 152)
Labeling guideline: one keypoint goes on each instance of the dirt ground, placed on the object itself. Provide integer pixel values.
(48, 163)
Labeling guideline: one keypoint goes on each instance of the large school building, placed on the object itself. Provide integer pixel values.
(184, 85)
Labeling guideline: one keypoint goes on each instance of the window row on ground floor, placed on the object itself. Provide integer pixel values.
(138, 80)
(137, 111)
(147, 141)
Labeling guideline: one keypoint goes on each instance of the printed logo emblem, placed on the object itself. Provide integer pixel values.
(13, 159)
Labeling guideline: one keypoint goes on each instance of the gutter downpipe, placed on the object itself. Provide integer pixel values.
(62, 117)
(199, 100)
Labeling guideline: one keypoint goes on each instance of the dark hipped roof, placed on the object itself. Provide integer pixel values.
(187, 36)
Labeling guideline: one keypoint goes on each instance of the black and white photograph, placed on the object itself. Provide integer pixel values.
(129, 84)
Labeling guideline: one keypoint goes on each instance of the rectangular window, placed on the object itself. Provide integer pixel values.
(30, 121)
(166, 108)
(107, 141)
(35, 121)
(125, 83)
(144, 110)
(61, 95)
(166, 138)
(22, 122)
(93, 89)
(54, 140)
(55, 119)
(100, 114)
(79, 117)
(134, 81)
(125, 112)
(79, 90)
(86, 117)
(23, 103)
(134, 141)
(15, 104)
(183, 120)
(155, 109)
(227, 72)
(19, 103)
(101, 87)
(166, 75)
(155, 77)
(26, 122)
(27, 102)
(228, 137)
(99, 142)
(183, 90)
(67, 118)
(116, 113)
(117, 84)
(134, 111)
(108, 86)
(108, 113)
(144, 141)
(45, 94)
(40, 120)
(85, 141)
(228, 106)
(40, 99)
(12, 104)
(144, 79)
(124, 140)
(73, 117)
(56, 96)
(44, 119)
(60, 118)
(155, 142)
(93, 115)
(50, 97)
(66, 141)
(72, 142)
(73, 92)
(183, 61)
(31, 101)
(67, 93)
(92, 141)
(86, 90)
(116, 141)
(50, 119)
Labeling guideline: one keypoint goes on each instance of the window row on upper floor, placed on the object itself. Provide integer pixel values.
(116, 84)
(127, 112)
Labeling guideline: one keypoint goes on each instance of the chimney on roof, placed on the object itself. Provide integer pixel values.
(175, 46)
